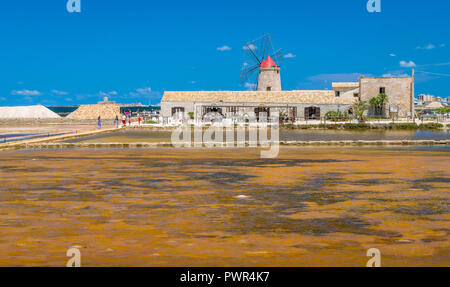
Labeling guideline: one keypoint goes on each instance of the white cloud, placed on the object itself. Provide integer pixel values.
(289, 55)
(3, 99)
(250, 86)
(427, 47)
(68, 99)
(224, 48)
(61, 93)
(193, 82)
(26, 93)
(144, 91)
(391, 75)
(248, 47)
(328, 78)
(103, 94)
(392, 55)
(409, 64)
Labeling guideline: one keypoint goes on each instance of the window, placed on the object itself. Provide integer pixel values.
(382, 90)
(356, 95)
(177, 110)
(338, 94)
(269, 88)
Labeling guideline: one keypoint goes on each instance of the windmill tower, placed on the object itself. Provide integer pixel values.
(261, 59)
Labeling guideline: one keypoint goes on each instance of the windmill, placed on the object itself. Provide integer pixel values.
(260, 71)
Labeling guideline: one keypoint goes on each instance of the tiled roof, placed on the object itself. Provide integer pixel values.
(283, 97)
(346, 85)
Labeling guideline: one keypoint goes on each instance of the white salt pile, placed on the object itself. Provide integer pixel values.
(27, 112)
(91, 112)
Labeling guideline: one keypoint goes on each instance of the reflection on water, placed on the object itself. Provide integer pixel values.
(127, 136)
(220, 207)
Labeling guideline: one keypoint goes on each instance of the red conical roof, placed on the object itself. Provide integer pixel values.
(268, 63)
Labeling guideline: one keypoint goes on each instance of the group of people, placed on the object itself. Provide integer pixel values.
(126, 117)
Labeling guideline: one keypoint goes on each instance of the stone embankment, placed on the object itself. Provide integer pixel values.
(59, 145)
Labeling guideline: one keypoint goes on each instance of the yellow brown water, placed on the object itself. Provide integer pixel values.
(225, 207)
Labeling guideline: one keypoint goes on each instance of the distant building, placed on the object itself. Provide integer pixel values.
(106, 102)
(426, 98)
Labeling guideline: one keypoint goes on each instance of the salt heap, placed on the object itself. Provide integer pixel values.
(91, 112)
(27, 112)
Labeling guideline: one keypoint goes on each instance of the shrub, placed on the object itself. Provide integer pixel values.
(431, 126)
(350, 126)
(403, 126)
(336, 116)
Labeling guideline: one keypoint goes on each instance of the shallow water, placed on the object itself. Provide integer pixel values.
(225, 207)
(128, 136)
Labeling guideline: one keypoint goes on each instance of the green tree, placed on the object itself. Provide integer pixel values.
(378, 103)
(359, 107)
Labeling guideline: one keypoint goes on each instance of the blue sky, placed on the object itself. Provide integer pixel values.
(134, 50)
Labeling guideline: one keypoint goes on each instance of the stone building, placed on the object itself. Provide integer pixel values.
(269, 99)
(269, 78)
(253, 105)
(400, 91)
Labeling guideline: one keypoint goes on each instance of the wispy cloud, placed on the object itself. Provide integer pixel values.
(60, 93)
(396, 74)
(250, 86)
(26, 93)
(392, 55)
(324, 81)
(289, 55)
(144, 91)
(3, 99)
(103, 94)
(409, 64)
(435, 65)
(327, 78)
(442, 45)
(224, 48)
(250, 47)
(427, 47)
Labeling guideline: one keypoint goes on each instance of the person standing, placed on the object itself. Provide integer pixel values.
(99, 122)
(124, 120)
(116, 122)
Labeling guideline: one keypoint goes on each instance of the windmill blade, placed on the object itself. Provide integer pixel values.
(278, 57)
(249, 49)
(277, 54)
(247, 68)
(248, 73)
(265, 49)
